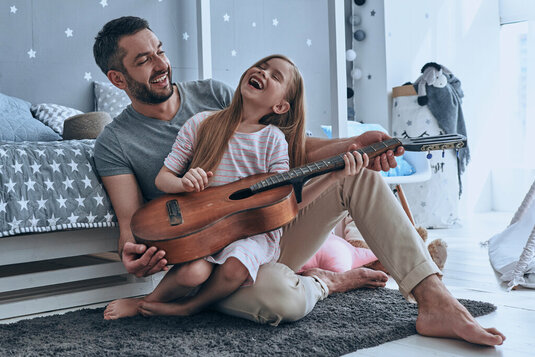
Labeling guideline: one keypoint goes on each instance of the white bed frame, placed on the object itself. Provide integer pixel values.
(58, 270)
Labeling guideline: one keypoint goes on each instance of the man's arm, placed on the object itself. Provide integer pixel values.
(319, 149)
(126, 198)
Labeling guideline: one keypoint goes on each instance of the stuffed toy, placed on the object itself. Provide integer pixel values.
(342, 254)
(437, 248)
(434, 75)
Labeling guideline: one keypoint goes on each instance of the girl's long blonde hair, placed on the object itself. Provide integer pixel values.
(215, 131)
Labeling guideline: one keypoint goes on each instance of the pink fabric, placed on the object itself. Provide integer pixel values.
(337, 255)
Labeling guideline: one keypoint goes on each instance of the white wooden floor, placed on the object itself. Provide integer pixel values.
(468, 274)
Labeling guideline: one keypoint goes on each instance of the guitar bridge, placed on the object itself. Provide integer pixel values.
(173, 211)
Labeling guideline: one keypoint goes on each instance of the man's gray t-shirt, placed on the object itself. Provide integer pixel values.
(136, 144)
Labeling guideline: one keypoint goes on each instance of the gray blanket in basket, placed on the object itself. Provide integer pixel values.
(49, 186)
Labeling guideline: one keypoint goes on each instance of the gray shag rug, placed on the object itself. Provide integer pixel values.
(338, 325)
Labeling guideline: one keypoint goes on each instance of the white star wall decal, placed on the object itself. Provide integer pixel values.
(2, 206)
(226, 17)
(68, 32)
(253, 24)
(309, 42)
(233, 53)
(31, 53)
(13, 9)
(87, 76)
(275, 22)
(104, 3)
(185, 36)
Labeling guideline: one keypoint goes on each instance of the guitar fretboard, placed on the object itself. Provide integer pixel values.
(308, 171)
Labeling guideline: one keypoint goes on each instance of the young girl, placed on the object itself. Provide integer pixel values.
(263, 130)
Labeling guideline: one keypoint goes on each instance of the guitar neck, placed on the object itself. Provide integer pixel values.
(306, 172)
(298, 176)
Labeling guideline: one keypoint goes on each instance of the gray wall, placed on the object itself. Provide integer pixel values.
(56, 73)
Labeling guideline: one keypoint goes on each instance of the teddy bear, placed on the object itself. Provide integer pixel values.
(437, 248)
(342, 254)
(433, 74)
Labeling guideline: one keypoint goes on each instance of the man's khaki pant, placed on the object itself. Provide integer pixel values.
(280, 295)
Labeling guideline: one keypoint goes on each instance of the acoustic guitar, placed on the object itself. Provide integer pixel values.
(188, 226)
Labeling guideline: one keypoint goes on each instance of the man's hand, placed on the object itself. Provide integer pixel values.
(385, 161)
(140, 261)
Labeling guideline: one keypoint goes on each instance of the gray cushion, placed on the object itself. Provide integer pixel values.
(109, 98)
(85, 126)
(18, 124)
(53, 115)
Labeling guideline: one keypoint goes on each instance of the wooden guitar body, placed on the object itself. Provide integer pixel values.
(193, 225)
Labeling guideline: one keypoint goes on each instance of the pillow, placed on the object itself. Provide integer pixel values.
(355, 129)
(18, 124)
(109, 98)
(53, 115)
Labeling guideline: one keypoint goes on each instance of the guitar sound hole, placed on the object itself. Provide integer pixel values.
(241, 194)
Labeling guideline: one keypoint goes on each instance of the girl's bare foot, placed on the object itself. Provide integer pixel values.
(349, 280)
(121, 308)
(147, 308)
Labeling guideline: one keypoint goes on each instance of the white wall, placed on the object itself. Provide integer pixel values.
(463, 36)
(371, 91)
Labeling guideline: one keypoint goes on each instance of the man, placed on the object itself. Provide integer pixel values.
(130, 151)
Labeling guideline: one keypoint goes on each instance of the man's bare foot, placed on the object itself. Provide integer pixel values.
(121, 308)
(441, 315)
(349, 280)
(147, 308)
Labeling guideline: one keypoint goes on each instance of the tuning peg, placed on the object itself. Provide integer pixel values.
(443, 153)
(429, 155)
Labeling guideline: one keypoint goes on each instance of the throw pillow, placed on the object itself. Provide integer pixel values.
(53, 115)
(18, 124)
(109, 98)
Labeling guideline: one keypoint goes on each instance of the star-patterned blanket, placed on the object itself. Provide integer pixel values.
(50, 186)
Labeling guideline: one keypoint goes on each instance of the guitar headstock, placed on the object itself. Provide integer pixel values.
(438, 142)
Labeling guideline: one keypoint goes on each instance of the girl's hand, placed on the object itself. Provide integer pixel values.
(196, 179)
(354, 163)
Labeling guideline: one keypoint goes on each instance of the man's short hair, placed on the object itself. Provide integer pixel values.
(106, 49)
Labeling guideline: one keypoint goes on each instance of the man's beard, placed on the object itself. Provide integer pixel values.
(143, 93)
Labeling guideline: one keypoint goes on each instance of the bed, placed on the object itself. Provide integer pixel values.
(58, 231)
